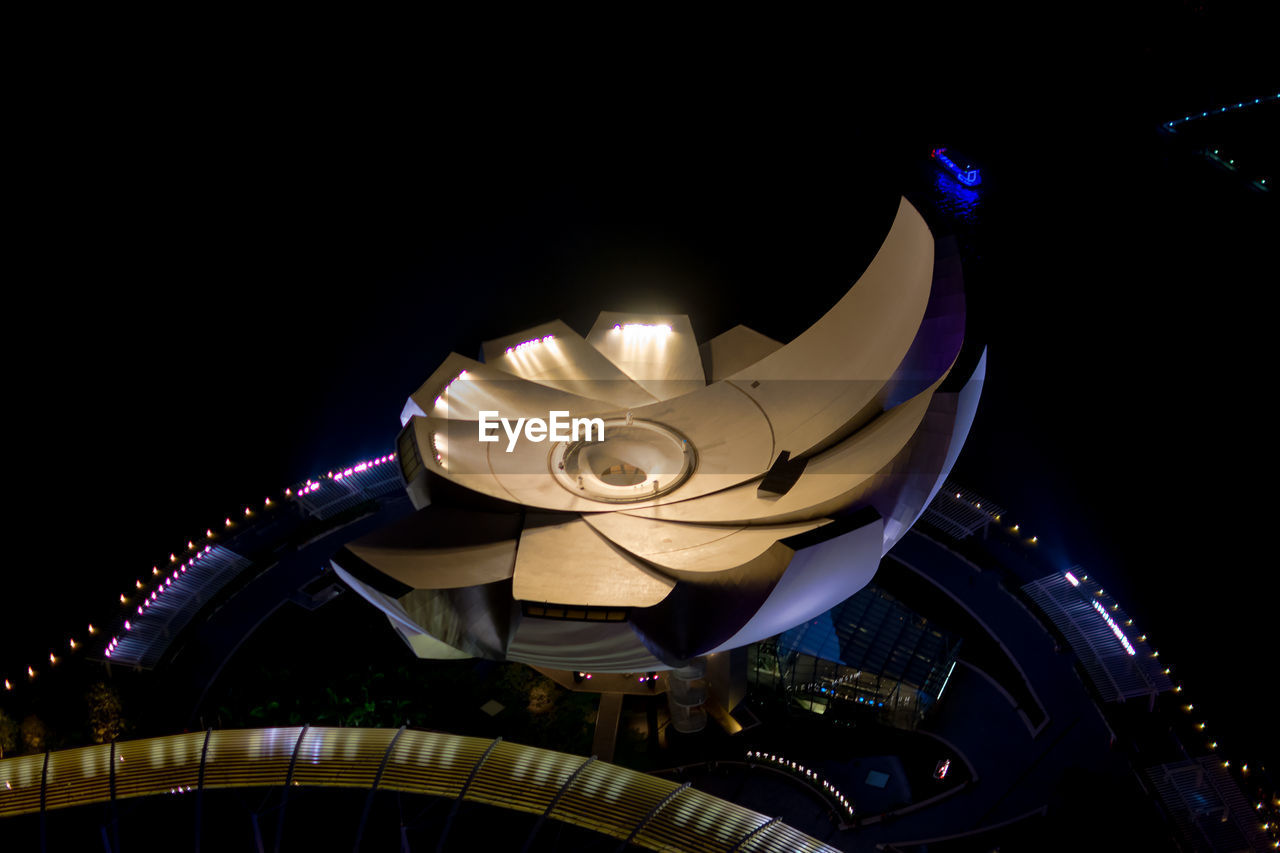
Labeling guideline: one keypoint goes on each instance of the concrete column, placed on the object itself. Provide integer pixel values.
(686, 693)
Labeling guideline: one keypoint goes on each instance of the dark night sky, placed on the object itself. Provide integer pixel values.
(222, 286)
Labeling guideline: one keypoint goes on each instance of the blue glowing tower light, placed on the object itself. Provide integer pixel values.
(969, 175)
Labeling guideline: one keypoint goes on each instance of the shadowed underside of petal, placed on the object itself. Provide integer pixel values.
(441, 547)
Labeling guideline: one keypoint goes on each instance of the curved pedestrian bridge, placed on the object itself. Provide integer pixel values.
(633, 807)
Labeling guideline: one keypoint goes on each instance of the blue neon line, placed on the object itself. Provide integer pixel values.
(1170, 125)
(945, 681)
(968, 177)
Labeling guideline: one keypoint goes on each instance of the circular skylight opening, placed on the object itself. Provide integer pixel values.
(636, 461)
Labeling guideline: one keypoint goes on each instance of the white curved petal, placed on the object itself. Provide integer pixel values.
(423, 644)
(830, 482)
(830, 397)
(462, 387)
(817, 578)
(658, 351)
(554, 355)
(570, 563)
(443, 548)
(966, 407)
(693, 548)
(733, 351)
(729, 432)
(831, 374)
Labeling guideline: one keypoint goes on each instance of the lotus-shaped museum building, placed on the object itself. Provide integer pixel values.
(717, 493)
